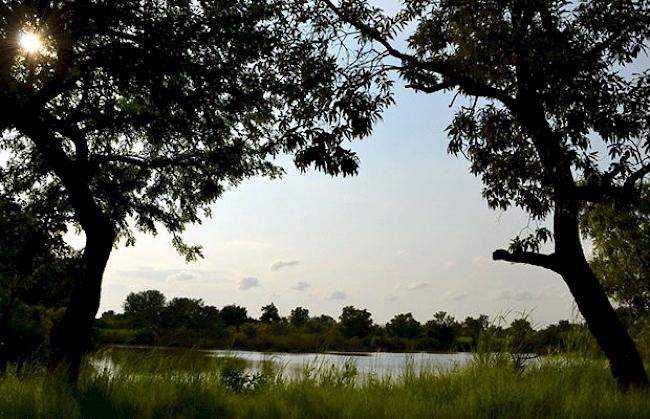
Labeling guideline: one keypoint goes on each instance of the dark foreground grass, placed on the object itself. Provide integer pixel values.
(485, 389)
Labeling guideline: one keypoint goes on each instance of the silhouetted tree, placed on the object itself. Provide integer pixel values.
(404, 326)
(442, 329)
(270, 314)
(521, 334)
(555, 335)
(299, 316)
(320, 324)
(545, 95)
(234, 315)
(185, 312)
(36, 267)
(355, 322)
(213, 321)
(474, 327)
(139, 114)
(145, 308)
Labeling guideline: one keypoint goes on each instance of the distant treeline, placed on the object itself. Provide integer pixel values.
(149, 319)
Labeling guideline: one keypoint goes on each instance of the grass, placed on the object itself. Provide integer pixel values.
(158, 385)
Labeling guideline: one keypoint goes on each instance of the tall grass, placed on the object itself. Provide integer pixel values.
(157, 386)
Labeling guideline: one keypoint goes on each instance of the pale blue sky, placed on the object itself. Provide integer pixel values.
(410, 233)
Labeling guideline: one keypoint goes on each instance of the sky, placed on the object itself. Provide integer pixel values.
(410, 233)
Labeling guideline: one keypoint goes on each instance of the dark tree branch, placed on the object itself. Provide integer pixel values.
(184, 160)
(592, 193)
(606, 188)
(598, 49)
(454, 75)
(153, 163)
(529, 258)
(608, 177)
(432, 88)
(377, 36)
(636, 176)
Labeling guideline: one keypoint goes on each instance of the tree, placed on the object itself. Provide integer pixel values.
(35, 269)
(234, 315)
(546, 94)
(145, 308)
(404, 326)
(355, 322)
(320, 324)
(270, 314)
(136, 115)
(189, 313)
(521, 334)
(555, 336)
(299, 316)
(621, 251)
(442, 328)
(474, 327)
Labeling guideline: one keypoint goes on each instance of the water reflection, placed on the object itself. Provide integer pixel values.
(294, 365)
(380, 364)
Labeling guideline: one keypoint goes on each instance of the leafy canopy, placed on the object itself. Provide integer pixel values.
(549, 98)
(154, 108)
(621, 251)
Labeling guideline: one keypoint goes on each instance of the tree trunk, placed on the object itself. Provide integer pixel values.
(71, 337)
(4, 327)
(624, 359)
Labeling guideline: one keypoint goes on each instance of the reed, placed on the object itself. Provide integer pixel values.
(163, 385)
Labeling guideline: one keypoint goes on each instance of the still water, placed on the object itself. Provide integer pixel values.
(294, 365)
(380, 364)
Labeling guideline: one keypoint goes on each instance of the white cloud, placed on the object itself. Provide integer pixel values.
(248, 283)
(301, 286)
(338, 295)
(279, 264)
(417, 285)
(182, 276)
(392, 298)
(520, 295)
(149, 273)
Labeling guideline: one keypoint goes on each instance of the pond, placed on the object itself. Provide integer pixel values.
(380, 364)
(290, 365)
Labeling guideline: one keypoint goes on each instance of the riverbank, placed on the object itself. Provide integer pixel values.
(486, 388)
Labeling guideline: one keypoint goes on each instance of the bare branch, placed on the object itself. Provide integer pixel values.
(529, 258)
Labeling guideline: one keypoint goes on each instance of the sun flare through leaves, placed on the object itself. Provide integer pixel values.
(30, 42)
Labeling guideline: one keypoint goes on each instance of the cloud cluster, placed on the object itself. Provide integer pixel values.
(338, 295)
(301, 286)
(182, 276)
(148, 273)
(248, 283)
(279, 264)
(417, 285)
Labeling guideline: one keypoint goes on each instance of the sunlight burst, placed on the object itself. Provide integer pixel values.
(30, 42)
